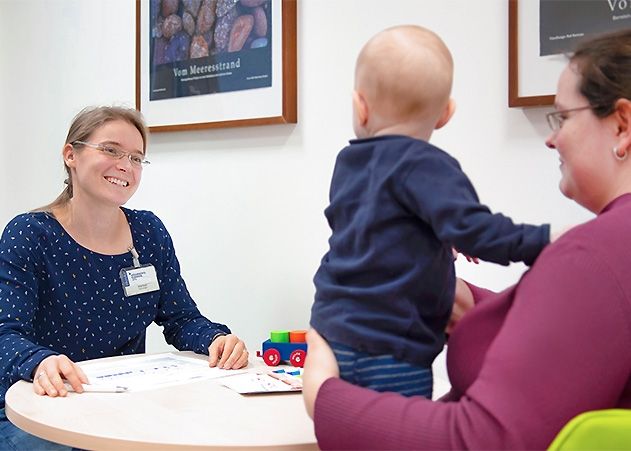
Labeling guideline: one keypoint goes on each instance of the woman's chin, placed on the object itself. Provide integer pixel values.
(565, 190)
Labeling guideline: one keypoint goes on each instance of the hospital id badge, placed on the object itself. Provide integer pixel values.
(139, 280)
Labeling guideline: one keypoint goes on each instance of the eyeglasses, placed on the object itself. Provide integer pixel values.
(556, 118)
(136, 159)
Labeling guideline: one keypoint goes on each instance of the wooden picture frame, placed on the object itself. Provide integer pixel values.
(524, 59)
(276, 104)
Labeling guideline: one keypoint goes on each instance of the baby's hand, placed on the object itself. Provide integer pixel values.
(475, 260)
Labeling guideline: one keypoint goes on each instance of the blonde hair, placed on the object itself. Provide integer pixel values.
(83, 125)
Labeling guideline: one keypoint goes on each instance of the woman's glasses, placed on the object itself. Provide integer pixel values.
(556, 118)
(114, 152)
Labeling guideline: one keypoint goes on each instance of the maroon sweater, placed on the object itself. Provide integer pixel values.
(522, 363)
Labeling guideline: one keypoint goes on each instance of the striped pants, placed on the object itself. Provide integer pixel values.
(383, 373)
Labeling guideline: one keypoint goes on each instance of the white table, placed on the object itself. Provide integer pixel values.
(194, 416)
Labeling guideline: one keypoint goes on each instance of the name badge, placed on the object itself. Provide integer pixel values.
(139, 280)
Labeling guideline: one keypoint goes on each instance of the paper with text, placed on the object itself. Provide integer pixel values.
(147, 372)
(259, 383)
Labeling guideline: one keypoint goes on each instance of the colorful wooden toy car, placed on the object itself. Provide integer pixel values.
(284, 345)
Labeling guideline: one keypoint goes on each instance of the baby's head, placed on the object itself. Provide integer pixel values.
(403, 78)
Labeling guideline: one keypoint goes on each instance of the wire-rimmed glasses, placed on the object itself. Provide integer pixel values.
(112, 151)
(556, 118)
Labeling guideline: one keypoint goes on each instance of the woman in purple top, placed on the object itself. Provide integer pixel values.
(523, 362)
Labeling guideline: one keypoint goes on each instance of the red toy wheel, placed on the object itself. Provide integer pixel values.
(297, 358)
(271, 357)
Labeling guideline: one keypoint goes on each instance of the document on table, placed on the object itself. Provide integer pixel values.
(146, 372)
(263, 382)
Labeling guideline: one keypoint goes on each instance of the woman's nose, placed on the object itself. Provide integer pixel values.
(550, 141)
(124, 164)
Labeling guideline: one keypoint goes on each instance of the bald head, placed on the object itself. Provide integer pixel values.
(405, 72)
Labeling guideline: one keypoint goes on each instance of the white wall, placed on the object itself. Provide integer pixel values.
(244, 206)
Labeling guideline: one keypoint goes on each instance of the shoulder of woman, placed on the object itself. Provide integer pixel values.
(596, 251)
(605, 232)
(29, 223)
(27, 232)
(147, 224)
(144, 217)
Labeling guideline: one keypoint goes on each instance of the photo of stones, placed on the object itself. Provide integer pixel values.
(200, 47)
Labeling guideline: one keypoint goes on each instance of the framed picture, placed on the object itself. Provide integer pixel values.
(215, 63)
(524, 89)
(543, 32)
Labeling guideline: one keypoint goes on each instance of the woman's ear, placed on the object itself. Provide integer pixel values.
(68, 154)
(449, 111)
(622, 114)
(622, 110)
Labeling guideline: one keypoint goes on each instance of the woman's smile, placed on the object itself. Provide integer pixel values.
(117, 181)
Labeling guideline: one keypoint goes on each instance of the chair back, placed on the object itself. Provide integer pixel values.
(599, 429)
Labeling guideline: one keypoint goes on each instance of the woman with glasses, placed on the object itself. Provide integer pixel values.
(83, 277)
(525, 361)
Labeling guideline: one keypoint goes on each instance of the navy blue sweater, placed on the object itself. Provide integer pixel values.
(398, 206)
(57, 297)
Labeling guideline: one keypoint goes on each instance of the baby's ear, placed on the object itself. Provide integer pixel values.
(449, 111)
(360, 107)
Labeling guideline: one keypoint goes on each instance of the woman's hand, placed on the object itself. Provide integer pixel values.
(228, 352)
(320, 365)
(463, 302)
(50, 374)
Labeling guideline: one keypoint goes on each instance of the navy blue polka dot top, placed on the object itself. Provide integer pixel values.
(57, 297)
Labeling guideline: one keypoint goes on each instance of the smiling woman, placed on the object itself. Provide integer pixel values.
(65, 268)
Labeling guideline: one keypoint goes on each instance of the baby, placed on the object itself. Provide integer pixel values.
(398, 205)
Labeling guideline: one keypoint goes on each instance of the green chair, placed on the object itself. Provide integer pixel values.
(597, 430)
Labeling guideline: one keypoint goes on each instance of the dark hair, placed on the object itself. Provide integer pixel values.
(604, 63)
(83, 125)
